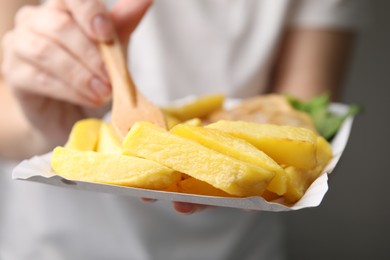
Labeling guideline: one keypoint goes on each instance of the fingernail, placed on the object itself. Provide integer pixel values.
(99, 88)
(102, 27)
(185, 208)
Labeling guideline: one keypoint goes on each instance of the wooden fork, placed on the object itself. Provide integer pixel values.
(128, 105)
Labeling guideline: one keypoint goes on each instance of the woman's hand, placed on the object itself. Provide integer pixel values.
(188, 208)
(183, 207)
(52, 63)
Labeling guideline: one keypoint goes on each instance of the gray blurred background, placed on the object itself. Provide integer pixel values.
(353, 221)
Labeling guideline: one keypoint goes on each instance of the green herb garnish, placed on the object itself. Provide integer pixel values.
(326, 122)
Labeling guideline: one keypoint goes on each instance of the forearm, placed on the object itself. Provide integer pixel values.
(313, 61)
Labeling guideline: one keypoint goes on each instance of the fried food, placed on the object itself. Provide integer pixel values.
(287, 145)
(114, 169)
(198, 108)
(265, 109)
(108, 141)
(84, 135)
(195, 186)
(236, 148)
(262, 147)
(183, 155)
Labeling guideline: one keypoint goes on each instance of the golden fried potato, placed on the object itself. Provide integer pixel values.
(195, 186)
(287, 145)
(223, 172)
(299, 180)
(236, 148)
(264, 147)
(112, 169)
(84, 135)
(108, 141)
(198, 108)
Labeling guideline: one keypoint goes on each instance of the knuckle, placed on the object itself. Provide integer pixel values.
(41, 78)
(6, 41)
(6, 63)
(84, 11)
(93, 57)
(41, 48)
(18, 74)
(63, 22)
(10, 77)
(5, 67)
(24, 13)
(90, 8)
(80, 75)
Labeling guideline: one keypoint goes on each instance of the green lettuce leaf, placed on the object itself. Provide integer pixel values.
(327, 123)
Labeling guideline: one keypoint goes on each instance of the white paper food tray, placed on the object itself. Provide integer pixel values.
(38, 169)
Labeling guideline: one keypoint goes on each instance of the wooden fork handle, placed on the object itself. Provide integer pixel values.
(117, 69)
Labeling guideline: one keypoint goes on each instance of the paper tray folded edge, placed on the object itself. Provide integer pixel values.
(37, 169)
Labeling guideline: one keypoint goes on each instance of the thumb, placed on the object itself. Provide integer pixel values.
(126, 15)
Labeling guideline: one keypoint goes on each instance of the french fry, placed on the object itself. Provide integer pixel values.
(111, 169)
(223, 172)
(108, 142)
(195, 186)
(198, 108)
(287, 145)
(236, 148)
(84, 135)
(227, 158)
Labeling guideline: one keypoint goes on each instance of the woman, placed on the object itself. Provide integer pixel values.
(240, 48)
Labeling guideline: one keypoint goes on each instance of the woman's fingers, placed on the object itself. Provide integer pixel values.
(35, 81)
(148, 200)
(91, 15)
(62, 55)
(54, 60)
(188, 208)
(64, 31)
(127, 14)
(183, 207)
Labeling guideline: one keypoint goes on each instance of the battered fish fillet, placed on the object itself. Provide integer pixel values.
(271, 109)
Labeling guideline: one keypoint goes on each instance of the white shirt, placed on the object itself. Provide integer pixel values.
(180, 48)
(225, 46)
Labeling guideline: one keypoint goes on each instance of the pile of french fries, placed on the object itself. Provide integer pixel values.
(271, 151)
